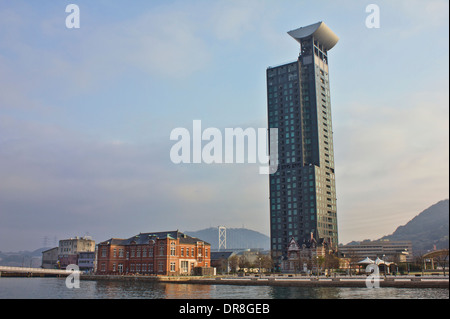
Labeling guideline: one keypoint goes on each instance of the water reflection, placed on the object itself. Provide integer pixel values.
(183, 291)
(129, 289)
(304, 293)
(53, 288)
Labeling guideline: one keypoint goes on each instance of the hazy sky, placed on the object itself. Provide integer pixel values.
(86, 114)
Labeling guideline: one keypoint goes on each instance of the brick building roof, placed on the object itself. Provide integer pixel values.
(144, 238)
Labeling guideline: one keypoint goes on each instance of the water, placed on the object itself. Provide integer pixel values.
(55, 288)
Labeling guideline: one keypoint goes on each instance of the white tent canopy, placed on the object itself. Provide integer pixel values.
(379, 261)
(366, 261)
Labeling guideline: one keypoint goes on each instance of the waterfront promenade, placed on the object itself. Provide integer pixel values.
(288, 280)
(284, 280)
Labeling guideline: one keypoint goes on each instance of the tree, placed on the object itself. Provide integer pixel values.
(244, 262)
(331, 261)
(320, 260)
(442, 259)
(353, 259)
(266, 262)
(234, 263)
(223, 268)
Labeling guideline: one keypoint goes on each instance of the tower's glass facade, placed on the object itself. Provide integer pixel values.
(302, 191)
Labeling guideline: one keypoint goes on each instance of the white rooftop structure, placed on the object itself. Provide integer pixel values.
(319, 31)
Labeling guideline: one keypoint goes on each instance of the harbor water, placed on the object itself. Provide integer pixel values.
(55, 288)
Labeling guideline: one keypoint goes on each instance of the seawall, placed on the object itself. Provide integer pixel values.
(283, 281)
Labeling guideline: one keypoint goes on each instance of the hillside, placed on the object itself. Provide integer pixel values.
(237, 238)
(430, 227)
(22, 258)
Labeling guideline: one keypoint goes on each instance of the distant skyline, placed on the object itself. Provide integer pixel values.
(86, 114)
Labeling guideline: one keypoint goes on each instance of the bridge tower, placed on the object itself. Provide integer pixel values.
(222, 237)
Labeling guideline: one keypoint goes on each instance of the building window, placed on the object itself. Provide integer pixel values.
(172, 249)
(120, 268)
(172, 266)
(182, 252)
(121, 252)
(103, 252)
(184, 266)
(115, 252)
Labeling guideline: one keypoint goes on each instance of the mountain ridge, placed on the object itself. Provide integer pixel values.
(237, 238)
(427, 230)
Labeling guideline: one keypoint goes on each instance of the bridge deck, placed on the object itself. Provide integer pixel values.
(30, 270)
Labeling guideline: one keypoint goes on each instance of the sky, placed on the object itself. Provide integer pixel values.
(86, 113)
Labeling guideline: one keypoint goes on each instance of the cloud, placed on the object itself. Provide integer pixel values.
(232, 19)
(44, 55)
(43, 63)
(390, 159)
(424, 15)
(61, 183)
(390, 150)
(168, 44)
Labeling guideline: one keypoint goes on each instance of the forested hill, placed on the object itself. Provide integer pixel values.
(429, 228)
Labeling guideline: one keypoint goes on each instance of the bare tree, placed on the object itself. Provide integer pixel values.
(266, 262)
(331, 261)
(442, 259)
(234, 263)
(223, 268)
(244, 262)
(353, 259)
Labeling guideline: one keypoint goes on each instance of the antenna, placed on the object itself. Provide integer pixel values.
(45, 241)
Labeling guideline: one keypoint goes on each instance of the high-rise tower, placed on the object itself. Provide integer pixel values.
(302, 191)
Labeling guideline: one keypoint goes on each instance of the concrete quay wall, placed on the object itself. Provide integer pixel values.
(395, 282)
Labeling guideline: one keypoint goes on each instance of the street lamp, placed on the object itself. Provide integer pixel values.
(317, 268)
(259, 258)
(406, 254)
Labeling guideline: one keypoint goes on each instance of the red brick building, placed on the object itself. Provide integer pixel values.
(162, 253)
